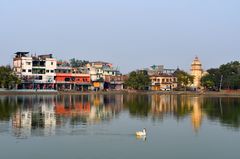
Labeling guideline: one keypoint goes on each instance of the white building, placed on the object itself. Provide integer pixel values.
(35, 71)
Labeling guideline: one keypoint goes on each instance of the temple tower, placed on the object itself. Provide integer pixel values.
(197, 72)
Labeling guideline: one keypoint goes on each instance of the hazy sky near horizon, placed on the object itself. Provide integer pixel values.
(129, 33)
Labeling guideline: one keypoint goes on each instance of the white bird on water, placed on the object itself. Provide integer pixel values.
(141, 133)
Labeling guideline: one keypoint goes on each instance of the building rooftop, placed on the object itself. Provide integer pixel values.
(22, 54)
(196, 61)
(162, 75)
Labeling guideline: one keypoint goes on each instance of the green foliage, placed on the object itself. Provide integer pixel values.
(138, 80)
(184, 79)
(138, 105)
(63, 63)
(7, 108)
(78, 63)
(7, 78)
(230, 73)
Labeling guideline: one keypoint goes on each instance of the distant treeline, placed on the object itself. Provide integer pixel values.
(227, 76)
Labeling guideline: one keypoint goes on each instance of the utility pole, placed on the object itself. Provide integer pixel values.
(220, 87)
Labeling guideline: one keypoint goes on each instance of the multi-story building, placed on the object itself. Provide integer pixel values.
(44, 72)
(115, 82)
(163, 82)
(161, 78)
(68, 78)
(35, 72)
(99, 71)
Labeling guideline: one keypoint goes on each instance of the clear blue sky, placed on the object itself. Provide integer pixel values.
(129, 33)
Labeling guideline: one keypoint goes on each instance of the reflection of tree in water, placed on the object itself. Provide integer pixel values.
(24, 113)
(138, 105)
(226, 110)
(7, 108)
(92, 109)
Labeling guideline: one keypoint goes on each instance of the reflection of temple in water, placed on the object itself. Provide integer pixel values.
(178, 106)
(197, 113)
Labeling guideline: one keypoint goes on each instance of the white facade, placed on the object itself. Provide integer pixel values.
(23, 66)
(37, 69)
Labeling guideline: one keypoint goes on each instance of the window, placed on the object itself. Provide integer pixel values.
(38, 71)
(51, 63)
(28, 63)
(67, 79)
(52, 71)
(29, 70)
(23, 70)
(47, 71)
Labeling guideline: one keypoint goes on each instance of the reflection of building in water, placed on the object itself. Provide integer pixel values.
(170, 104)
(78, 109)
(40, 120)
(196, 114)
(85, 109)
(178, 106)
(43, 118)
(105, 107)
(22, 122)
(163, 104)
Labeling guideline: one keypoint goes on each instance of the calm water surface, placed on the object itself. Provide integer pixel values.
(103, 127)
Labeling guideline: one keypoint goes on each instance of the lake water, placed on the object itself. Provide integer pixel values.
(103, 127)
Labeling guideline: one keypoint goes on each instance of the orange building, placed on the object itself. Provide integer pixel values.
(69, 79)
(77, 109)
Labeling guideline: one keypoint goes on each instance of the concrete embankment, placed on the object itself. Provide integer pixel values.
(54, 92)
(27, 92)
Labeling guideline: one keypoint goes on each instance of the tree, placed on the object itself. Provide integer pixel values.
(138, 80)
(184, 79)
(63, 63)
(207, 81)
(229, 73)
(78, 63)
(7, 77)
(211, 80)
